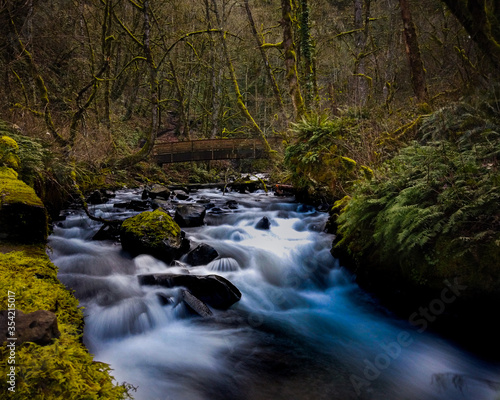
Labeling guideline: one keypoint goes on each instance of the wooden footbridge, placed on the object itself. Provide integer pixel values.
(212, 149)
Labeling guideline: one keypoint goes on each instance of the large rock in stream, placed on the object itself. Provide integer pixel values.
(213, 290)
(154, 233)
(201, 255)
(189, 215)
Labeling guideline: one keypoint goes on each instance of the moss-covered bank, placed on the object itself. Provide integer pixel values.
(63, 369)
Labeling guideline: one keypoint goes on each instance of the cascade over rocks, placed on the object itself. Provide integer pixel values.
(190, 215)
(154, 233)
(39, 327)
(213, 290)
(201, 255)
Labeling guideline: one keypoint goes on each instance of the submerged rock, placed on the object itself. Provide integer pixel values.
(155, 233)
(39, 327)
(164, 299)
(226, 264)
(214, 290)
(264, 224)
(201, 255)
(203, 200)
(189, 215)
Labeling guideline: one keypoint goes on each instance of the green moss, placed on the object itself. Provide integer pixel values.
(367, 172)
(22, 214)
(155, 225)
(63, 369)
(13, 190)
(8, 152)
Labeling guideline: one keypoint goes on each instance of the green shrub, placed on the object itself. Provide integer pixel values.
(325, 153)
(435, 210)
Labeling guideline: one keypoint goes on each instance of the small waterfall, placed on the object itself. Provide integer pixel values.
(303, 329)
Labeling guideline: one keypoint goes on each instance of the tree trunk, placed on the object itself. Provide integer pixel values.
(307, 51)
(153, 95)
(413, 52)
(291, 60)
(481, 20)
(361, 85)
(106, 57)
(265, 59)
(215, 81)
(241, 103)
(182, 107)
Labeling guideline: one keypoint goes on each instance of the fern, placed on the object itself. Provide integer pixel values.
(321, 155)
(437, 202)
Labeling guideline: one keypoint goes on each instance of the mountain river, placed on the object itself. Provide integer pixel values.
(303, 329)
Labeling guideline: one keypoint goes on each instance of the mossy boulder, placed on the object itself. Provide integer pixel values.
(23, 217)
(155, 233)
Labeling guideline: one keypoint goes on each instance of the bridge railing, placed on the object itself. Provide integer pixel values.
(211, 149)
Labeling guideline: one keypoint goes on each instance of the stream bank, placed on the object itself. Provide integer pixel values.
(41, 322)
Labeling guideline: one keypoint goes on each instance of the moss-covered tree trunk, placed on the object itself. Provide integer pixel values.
(361, 80)
(269, 72)
(153, 94)
(413, 52)
(291, 59)
(215, 80)
(481, 20)
(180, 99)
(307, 51)
(241, 104)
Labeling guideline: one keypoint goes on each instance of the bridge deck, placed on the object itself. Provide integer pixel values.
(211, 149)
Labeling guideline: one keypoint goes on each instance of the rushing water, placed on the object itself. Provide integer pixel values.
(302, 329)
